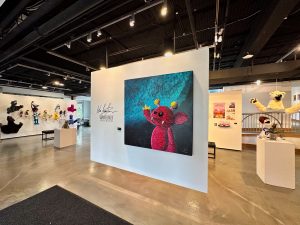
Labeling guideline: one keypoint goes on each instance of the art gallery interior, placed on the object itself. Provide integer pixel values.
(149, 112)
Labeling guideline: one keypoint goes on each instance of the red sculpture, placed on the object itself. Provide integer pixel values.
(163, 118)
(71, 108)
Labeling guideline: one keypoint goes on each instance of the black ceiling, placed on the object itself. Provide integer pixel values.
(34, 33)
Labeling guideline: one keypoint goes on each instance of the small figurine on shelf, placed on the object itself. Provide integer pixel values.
(21, 112)
(35, 109)
(55, 116)
(45, 115)
(71, 108)
(36, 118)
(26, 113)
(71, 120)
(66, 125)
(57, 108)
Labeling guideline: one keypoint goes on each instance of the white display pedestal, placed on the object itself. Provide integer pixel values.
(64, 137)
(275, 162)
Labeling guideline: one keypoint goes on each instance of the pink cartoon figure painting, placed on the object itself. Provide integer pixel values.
(164, 118)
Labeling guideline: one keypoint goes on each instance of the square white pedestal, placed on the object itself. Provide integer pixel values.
(275, 162)
(65, 137)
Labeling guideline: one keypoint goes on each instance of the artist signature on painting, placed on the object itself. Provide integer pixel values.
(106, 112)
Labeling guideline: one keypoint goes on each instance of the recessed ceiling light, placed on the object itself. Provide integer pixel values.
(44, 87)
(258, 82)
(247, 56)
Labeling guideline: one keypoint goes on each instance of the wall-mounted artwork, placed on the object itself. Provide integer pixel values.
(11, 127)
(159, 112)
(224, 124)
(35, 109)
(230, 111)
(219, 110)
(14, 107)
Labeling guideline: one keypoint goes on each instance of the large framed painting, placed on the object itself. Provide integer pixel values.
(159, 112)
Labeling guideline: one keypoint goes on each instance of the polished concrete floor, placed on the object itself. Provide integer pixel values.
(236, 195)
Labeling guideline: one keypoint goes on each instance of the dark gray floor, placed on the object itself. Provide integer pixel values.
(57, 206)
(235, 194)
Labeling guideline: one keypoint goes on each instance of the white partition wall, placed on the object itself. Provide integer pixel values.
(107, 141)
(29, 128)
(225, 119)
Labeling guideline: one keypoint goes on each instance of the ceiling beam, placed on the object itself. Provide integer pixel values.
(72, 60)
(268, 22)
(292, 75)
(76, 9)
(264, 70)
(192, 21)
(45, 71)
(70, 72)
(13, 14)
(116, 20)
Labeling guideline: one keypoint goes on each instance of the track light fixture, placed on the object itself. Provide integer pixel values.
(220, 39)
(68, 44)
(220, 32)
(44, 87)
(79, 81)
(89, 38)
(247, 56)
(164, 9)
(99, 33)
(132, 20)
